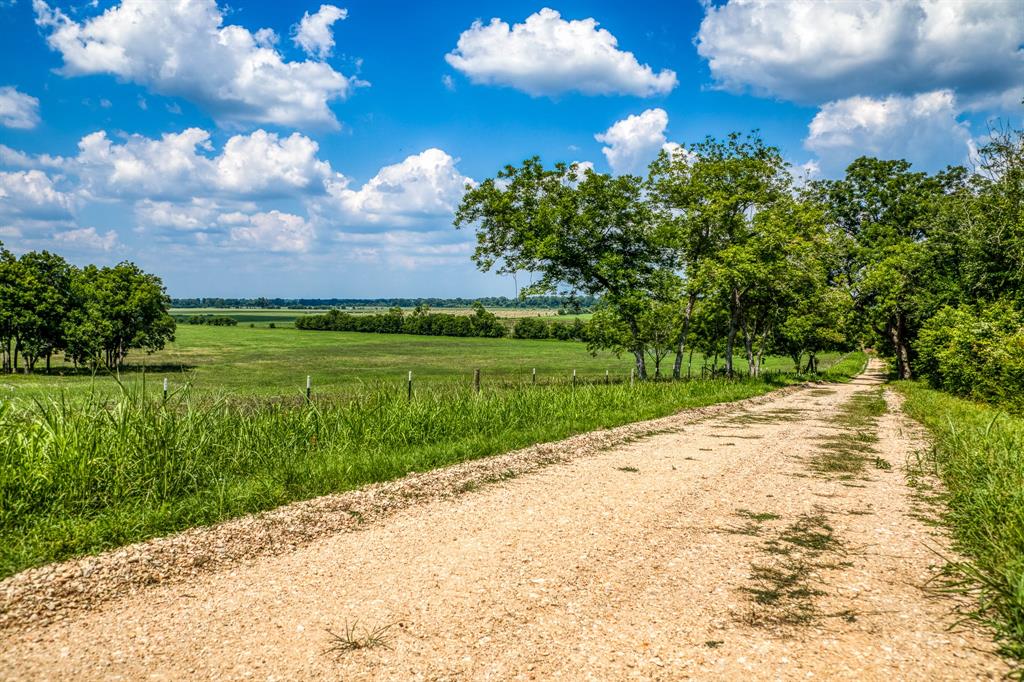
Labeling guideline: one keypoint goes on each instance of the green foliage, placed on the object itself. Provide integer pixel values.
(211, 320)
(591, 232)
(95, 315)
(481, 323)
(975, 352)
(978, 453)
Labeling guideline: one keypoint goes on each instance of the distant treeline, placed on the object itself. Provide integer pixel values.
(421, 321)
(569, 303)
(211, 320)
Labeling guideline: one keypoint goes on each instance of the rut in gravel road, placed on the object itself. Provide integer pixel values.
(772, 540)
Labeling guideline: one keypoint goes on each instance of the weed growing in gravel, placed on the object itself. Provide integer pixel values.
(753, 521)
(347, 641)
(784, 591)
(844, 455)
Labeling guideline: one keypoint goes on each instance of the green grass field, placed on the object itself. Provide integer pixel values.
(262, 317)
(275, 362)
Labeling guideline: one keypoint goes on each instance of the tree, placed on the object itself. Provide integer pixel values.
(45, 281)
(117, 309)
(707, 197)
(887, 212)
(9, 306)
(591, 232)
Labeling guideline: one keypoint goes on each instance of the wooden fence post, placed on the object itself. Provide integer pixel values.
(309, 387)
(165, 388)
(574, 378)
(534, 376)
(409, 388)
(476, 380)
(607, 379)
(632, 373)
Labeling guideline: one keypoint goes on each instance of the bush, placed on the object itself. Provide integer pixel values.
(975, 352)
(213, 320)
(530, 328)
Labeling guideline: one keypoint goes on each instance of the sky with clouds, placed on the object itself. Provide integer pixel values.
(319, 150)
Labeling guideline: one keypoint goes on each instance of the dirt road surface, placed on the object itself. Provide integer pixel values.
(753, 544)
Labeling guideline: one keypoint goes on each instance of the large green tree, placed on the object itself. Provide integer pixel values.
(886, 213)
(588, 231)
(706, 198)
(117, 309)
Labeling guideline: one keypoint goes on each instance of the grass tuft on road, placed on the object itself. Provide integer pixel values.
(978, 453)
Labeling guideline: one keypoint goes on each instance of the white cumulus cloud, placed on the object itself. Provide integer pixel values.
(921, 128)
(314, 32)
(87, 238)
(817, 50)
(184, 49)
(180, 165)
(18, 110)
(271, 231)
(633, 142)
(32, 195)
(547, 55)
(422, 187)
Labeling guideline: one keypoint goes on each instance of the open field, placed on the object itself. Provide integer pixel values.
(246, 361)
(761, 540)
(261, 317)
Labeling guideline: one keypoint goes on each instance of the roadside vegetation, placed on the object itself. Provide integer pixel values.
(81, 473)
(978, 454)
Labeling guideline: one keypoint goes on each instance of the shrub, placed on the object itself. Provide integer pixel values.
(975, 352)
(530, 328)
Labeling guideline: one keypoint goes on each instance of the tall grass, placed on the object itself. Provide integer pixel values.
(84, 472)
(979, 455)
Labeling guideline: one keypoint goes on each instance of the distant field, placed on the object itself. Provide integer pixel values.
(263, 361)
(284, 317)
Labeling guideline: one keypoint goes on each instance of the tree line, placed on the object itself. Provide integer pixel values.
(720, 249)
(481, 323)
(92, 315)
(575, 304)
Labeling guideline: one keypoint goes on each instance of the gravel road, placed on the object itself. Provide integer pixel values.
(704, 545)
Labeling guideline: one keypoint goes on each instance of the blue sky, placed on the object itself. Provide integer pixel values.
(318, 150)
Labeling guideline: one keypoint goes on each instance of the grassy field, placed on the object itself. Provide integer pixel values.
(81, 471)
(262, 317)
(978, 454)
(261, 361)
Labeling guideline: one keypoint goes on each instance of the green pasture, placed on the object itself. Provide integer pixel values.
(275, 362)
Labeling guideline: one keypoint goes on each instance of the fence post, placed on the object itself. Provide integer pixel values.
(534, 376)
(607, 379)
(165, 388)
(309, 387)
(632, 373)
(574, 378)
(476, 380)
(409, 391)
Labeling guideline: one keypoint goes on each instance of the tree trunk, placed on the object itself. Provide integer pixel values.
(678, 365)
(47, 363)
(641, 365)
(734, 314)
(899, 341)
(14, 357)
